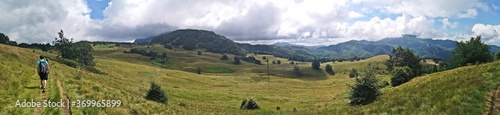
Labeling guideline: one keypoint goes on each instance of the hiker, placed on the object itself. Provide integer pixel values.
(43, 69)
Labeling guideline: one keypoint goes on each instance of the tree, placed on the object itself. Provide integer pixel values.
(63, 44)
(292, 62)
(264, 57)
(4, 39)
(83, 53)
(315, 65)
(401, 57)
(278, 62)
(472, 51)
(224, 57)
(401, 75)
(237, 60)
(353, 73)
(329, 70)
(155, 93)
(274, 62)
(199, 52)
(365, 89)
(297, 71)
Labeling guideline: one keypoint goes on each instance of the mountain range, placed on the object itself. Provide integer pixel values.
(213, 42)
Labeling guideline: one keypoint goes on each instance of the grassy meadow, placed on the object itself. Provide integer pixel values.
(222, 85)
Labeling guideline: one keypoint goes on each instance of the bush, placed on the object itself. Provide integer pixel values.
(167, 46)
(315, 65)
(198, 70)
(224, 57)
(156, 94)
(329, 70)
(199, 52)
(297, 71)
(292, 62)
(249, 105)
(365, 89)
(264, 57)
(278, 62)
(237, 60)
(400, 75)
(258, 62)
(353, 73)
(274, 62)
(68, 62)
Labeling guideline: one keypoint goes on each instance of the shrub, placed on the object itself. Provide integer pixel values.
(353, 73)
(329, 70)
(278, 62)
(164, 55)
(198, 70)
(297, 71)
(258, 62)
(292, 62)
(68, 62)
(224, 57)
(315, 65)
(401, 75)
(365, 89)
(237, 60)
(274, 62)
(167, 46)
(264, 57)
(199, 52)
(249, 105)
(156, 94)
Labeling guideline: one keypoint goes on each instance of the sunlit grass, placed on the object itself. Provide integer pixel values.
(222, 86)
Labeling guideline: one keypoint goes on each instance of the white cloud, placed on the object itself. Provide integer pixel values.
(39, 21)
(494, 6)
(483, 6)
(486, 30)
(470, 13)
(312, 21)
(447, 24)
(417, 8)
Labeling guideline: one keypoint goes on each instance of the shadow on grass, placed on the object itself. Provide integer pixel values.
(32, 87)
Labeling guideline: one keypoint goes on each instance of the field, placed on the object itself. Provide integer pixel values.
(222, 85)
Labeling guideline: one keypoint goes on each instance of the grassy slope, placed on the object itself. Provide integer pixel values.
(130, 76)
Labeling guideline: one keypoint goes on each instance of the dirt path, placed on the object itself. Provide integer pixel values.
(64, 96)
(494, 102)
(39, 110)
(65, 110)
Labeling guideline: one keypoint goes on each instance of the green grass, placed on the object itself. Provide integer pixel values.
(459, 91)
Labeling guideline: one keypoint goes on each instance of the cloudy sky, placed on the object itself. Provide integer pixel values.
(305, 22)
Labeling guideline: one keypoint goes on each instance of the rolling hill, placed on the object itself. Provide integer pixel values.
(144, 40)
(424, 48)
(199, 39)
(212, 42)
